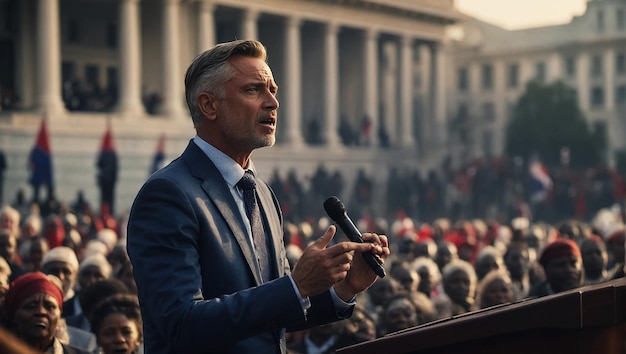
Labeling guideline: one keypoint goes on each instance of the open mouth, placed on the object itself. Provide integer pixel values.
(269, 122)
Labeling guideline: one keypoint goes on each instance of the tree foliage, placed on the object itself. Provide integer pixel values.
(547, 119)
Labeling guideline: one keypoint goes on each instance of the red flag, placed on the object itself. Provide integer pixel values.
(40, 159)
(107, 164)
(107, 140)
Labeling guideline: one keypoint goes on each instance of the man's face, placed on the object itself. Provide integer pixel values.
(564, 273)
(594, 257)
(458, 286)
(63, 271)
(247, 114)
(8, 245)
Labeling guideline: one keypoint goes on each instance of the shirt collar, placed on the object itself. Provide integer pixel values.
(229, 169)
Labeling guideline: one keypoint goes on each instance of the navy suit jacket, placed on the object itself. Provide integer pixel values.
(198, 281)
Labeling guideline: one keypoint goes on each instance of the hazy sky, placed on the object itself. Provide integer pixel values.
(516, 14)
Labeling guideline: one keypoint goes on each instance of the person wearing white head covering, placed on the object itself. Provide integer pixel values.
(108, 237)
(62, 262)
(93, 269)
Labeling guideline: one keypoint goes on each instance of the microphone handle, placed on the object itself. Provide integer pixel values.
(348, 228)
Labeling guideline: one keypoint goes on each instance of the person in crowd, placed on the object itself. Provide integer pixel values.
(399, 313)
(62, 262)
(595, 260)
(125, 275)
(488, 259)
(93, 269)
(495, 288)
(54, 231)
(563, 266)
(3, 167)
(517, 262)
(5, 274)
(362, 324)
(616, 247)
(33, 257)
(33, 306)
(446, 252)
(195, 217)
(406, 276)
(118, 256)
(429, 275)
(90, 297)
(10, 220)
(459, 284)
(8, 251)
(327, 338)
(117, 323)
(378, 295)
(30, 229)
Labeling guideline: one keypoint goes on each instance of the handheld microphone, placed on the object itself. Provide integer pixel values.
(337, 211)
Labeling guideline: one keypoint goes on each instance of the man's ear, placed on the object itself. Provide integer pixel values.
(207, 104)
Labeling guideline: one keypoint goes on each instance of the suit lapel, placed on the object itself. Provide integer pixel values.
(217, 190)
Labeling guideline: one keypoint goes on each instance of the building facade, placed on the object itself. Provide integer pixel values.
(492, 66)
(89, 64)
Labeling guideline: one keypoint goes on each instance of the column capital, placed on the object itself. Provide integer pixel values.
(293, 21)
(407, 39)
(206, 5)
(372, 33)
(251, 13)
(332, 28)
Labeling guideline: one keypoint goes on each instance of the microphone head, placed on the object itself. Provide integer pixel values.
(334, 208)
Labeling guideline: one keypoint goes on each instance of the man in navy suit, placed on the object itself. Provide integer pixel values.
(199, 281)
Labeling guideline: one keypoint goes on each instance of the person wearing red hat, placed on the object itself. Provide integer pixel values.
(33, 307)
(562, 263)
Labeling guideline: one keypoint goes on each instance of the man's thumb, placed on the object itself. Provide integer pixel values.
(323, 241)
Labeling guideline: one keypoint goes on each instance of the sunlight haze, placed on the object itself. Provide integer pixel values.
(518, 14)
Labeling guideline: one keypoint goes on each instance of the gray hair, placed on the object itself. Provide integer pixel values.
(210, 70)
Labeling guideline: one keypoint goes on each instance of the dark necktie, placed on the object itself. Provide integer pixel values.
(248, 186)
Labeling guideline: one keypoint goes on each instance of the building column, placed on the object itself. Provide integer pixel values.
(582, 81)
(331, 76)
(293, 94)
(554, 69)
(609, 79)
(172, 73)
(49, 98)
(250, 24)
(130, 60)
(407, 138)
(439, 99)
(206, 26)
(389, 94)
(371, 81)
(426, 87)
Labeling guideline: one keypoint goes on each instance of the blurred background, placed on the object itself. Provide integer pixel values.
(467, 108)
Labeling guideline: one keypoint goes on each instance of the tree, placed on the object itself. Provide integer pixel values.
(547, 119)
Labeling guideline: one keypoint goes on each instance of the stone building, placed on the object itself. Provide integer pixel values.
(492, 66)
(86, 64)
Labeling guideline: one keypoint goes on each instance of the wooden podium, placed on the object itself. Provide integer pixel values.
(589, 320)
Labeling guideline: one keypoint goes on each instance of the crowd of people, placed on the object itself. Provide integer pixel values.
(77, 259)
